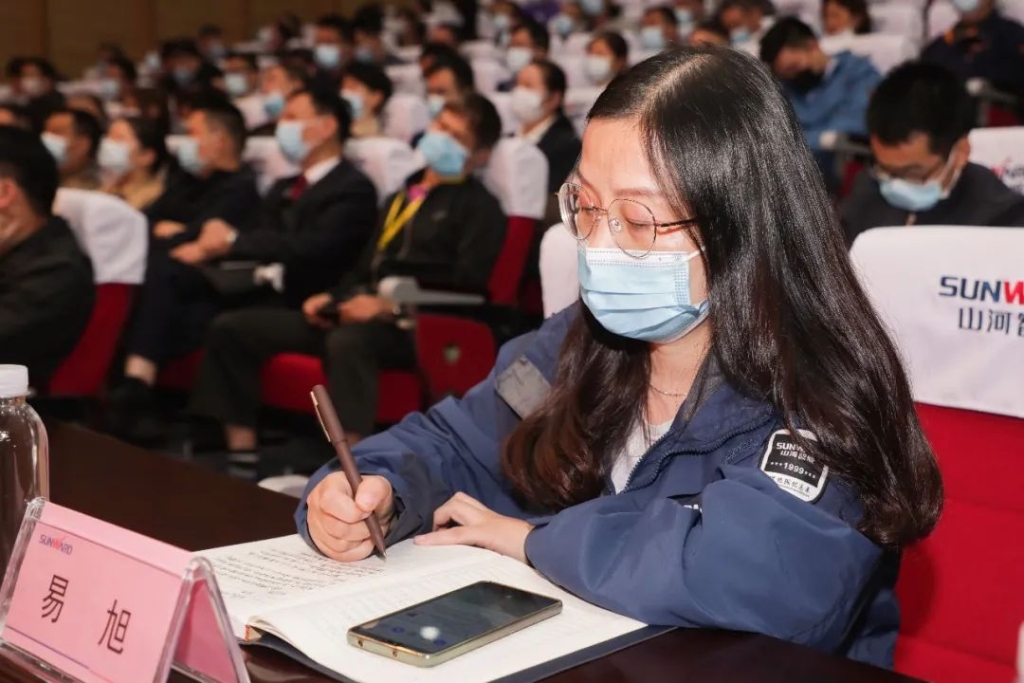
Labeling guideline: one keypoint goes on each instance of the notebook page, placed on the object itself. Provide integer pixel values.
(259, 577)
(320, 629)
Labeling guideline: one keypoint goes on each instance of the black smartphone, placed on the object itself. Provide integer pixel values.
(452, 624)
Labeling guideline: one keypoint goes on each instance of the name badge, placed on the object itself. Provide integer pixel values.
(98, 603)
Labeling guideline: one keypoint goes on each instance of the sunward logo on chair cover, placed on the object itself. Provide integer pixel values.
(1011, 173)
(972, 289)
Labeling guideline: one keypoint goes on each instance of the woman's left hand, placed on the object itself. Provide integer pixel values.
(478, 526)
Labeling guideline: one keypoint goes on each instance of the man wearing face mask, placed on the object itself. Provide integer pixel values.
(983, 44)
(178, 300)
(528, 42)
(34, 81)
(443, 227)
(186, 70)
(918, 122)
(277, 84)
(73, 138)
(46, 284)
(829, 93)
(241, 79)
(659, 29)
(366, 89)
(448, 79)
(367, 34)
(332, 51)
(743, 19)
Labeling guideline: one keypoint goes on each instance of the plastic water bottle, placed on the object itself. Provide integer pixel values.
(24, 456)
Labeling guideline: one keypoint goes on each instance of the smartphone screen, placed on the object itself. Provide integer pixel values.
(455, 618)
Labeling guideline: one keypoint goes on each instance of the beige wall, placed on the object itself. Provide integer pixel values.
(68, 31)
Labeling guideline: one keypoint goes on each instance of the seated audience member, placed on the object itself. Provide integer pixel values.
(432, 52)
(241, 80)
(186, 72)
(118, 84)
(567, 21)
(411, 30)
(829, 93)
(845, 17)
(276, 36)
(659, 28)
(211, 43)
(90, 104)
(918, 123)
(15, 115)
(178, 300)
(106, 52)
(537, 103)
(602, 15)
(367, 35)
(446, 34)
(332, 51)
(983, 44)
(530, 41)
(447, 80)
(506, 17)
(743, 19)
(366, 89)
(607, 57)
(34, 81)
(73, 138)
(46, 285)
(135, 160)
(688, 13)
(710, 33)
(443, 217)
(277, 84)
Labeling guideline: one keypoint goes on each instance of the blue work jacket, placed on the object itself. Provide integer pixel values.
(701, 535)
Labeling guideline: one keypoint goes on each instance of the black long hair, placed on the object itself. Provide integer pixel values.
(790, 323)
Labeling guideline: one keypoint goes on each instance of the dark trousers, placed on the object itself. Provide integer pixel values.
(240, 342)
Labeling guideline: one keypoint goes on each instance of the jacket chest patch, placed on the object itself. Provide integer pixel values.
(789, 466)
(522, 386)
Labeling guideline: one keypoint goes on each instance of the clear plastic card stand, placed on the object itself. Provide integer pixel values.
(178, 611)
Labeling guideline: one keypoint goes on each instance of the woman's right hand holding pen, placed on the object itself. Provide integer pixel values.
(337, 520)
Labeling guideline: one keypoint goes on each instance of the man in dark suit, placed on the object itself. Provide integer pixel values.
(46, 284)
(443, 220)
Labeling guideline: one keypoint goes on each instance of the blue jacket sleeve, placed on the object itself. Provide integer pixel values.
(753, 558)
(842, 104)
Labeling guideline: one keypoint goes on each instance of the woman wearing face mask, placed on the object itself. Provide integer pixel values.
(721, 434)
(367, 90)
(537, 105)
(845, 17)
(607, 57)
(134, 158)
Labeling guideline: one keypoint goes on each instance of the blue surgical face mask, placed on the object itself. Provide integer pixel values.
(365, 55)
(109, 88)
(738, 36)
(685, 17)
(592, 7)
(652, 38)
(646, 299)
(563, 25)
(517, 58)
(443, 153)
(236, 84)
(598, 68)
(966, 6)
(188, 156)
(289, 139)
(915, 197)
(502, 22)
(435, 103)
(56, 146)
(114, 157)
(327, 56)
(356, 104)
(273, 104)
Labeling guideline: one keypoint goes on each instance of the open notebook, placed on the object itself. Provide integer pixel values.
(280, 590)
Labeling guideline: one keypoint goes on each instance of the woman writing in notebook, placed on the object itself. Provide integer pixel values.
(721, 434)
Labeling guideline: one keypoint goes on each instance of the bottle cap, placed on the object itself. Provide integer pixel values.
(13, 381)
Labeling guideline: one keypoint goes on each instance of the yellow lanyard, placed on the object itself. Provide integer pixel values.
(396, 219)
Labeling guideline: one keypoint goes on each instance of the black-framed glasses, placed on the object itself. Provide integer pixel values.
(632, 224)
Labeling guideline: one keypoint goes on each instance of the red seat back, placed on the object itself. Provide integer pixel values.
(503, 286)
(84, 372)
(962, 589)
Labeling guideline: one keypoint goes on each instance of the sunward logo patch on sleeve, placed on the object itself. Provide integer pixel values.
(789, 466)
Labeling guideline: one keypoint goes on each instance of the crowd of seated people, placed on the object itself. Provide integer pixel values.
(244, 269)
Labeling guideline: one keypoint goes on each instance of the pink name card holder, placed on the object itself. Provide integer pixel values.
(87, 601)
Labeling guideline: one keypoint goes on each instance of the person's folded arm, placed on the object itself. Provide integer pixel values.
(43, 294)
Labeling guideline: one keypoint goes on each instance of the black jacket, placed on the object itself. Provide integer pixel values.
(229, 196)
(979, 198)
(561, 145)
(318, 237)
(46, 298)
(993, 49)
(452, 242)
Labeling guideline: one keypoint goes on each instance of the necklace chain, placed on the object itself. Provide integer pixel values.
(668, 393)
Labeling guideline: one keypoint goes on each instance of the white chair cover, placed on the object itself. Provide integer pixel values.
(264, 155)
(1002, 150)
(386, 161)
(113, 234)
(502, 101)
(252, 109)
(942, 16)
(488, 75)
(898, 19)
(559, 270)
(407, 78)
(518, 176)
(952, 298)
(578, 102)
(884, 51)
(483, 50)
(574, 67)
(405, 116)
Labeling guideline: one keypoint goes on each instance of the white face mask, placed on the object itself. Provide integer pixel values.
(527, 105)
(32, 85)
(598, 68)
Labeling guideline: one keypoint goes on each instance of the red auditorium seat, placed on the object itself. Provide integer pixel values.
(84, 373)
(962, 590)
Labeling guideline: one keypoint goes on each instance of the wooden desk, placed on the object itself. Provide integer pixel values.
(194, 508)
